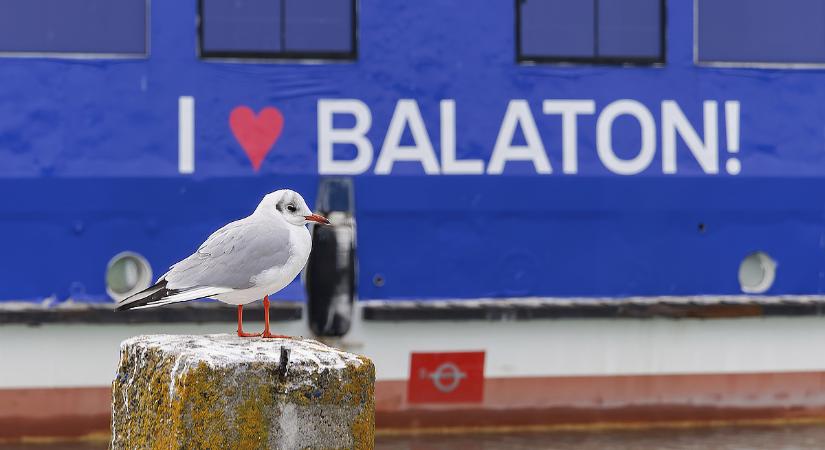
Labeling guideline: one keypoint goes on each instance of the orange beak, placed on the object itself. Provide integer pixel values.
(316, 218)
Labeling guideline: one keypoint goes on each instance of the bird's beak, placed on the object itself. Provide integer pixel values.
(316, 218)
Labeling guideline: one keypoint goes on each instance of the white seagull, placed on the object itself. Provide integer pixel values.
(242, 262)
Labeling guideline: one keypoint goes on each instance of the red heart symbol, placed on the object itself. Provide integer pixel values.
(256, 133)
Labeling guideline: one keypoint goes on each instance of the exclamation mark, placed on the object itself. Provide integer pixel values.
(733, 165)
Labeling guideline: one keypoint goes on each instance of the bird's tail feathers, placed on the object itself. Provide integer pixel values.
(159, 295)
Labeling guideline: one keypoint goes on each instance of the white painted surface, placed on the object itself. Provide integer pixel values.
(86, 355)
(186, 134)
(601, 347)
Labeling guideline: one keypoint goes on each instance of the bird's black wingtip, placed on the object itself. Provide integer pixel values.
(145, 297)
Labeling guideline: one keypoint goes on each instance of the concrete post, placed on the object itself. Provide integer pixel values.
(221, 391)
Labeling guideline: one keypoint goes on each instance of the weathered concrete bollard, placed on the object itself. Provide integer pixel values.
(221, 391)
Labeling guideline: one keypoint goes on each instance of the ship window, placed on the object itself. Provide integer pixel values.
(761, 31)
(590, 31)
(73, 27)
(307, 29)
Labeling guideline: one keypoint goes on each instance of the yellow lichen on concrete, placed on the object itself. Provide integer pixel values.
(363, 427)
(149, 427)
(252, 419)
(204, 409)
(185, 396)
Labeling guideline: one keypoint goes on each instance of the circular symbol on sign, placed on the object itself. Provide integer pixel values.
(447, 377)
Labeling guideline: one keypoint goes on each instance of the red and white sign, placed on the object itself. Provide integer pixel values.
(456, 377)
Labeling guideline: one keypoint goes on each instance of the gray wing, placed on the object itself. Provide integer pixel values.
(231, 256)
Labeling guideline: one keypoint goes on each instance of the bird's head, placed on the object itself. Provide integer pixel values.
(291, 206)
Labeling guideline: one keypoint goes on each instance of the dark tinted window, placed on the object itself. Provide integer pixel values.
(318, 26)
(788, 31)
(278, 28)
(241, 26)
(115, 27)
(591, 30)
(557, 28)
(631, 28)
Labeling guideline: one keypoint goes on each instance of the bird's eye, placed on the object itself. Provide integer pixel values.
(291, 208)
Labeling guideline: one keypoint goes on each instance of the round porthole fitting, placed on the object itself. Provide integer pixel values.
(757, 273)
(127, 273)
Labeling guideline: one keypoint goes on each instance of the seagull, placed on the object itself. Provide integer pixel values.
(242, 262)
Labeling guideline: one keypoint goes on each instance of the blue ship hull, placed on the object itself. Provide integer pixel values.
(91, 163)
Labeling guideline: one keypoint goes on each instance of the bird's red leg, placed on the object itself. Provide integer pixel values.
(267, 334)
(240, 325)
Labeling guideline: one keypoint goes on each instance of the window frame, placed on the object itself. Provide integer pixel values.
(740, 64)
(147, 38)
(281, 56)
(656, 61)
